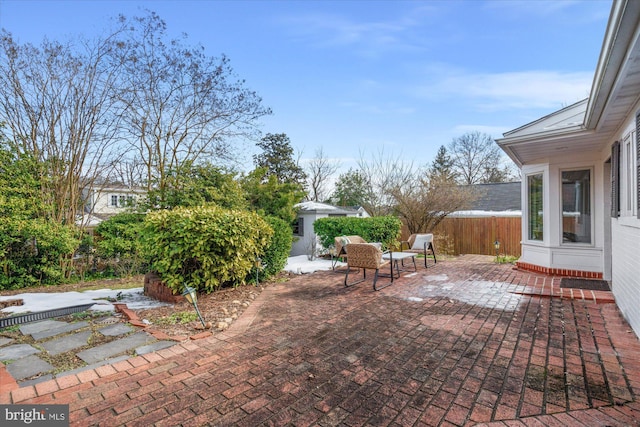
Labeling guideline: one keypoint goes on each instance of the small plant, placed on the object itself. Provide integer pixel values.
(506, 259)
(180, 317)
(89, 314)
(9, 329)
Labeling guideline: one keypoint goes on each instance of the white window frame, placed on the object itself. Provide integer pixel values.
(526, 211)
(628, 176)
(592, 226)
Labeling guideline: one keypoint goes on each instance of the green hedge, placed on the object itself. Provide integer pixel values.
(204, 247)
(118, 242)
(276, 253)
(384, 229)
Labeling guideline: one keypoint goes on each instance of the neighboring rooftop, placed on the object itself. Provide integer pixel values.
(498, 197)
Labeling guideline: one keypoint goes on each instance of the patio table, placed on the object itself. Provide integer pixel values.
(394, 257)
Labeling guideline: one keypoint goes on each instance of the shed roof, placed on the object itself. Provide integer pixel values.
(325, 208)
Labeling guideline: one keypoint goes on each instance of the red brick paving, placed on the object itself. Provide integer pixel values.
(463, 343)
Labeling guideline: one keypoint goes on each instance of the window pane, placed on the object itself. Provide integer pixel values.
(630, 175)
(534, 202)
(298, 227)
(576, 206)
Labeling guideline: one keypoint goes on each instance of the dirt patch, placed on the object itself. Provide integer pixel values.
(180, 319)
(219, 308)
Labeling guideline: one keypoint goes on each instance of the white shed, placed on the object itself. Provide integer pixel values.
(305, 239)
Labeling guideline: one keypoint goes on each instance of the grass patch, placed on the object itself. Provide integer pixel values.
(89, 314)
(506, 259)
(180, 317)
(10, 329)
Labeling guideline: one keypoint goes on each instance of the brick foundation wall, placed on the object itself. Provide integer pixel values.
(559, 271)
(154, 288)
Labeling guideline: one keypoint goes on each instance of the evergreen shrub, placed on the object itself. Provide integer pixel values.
(384, 229)
(204, 247)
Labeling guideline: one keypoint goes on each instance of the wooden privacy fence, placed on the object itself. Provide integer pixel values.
(476, 235)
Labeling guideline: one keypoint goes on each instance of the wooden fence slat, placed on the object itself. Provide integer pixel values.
(477, 235)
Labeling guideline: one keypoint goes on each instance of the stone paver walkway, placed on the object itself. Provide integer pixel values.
(25, 364)
(464, 343)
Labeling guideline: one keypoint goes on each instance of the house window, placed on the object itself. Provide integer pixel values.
(629, 162)
(121, 201)
(298, 227)
(615, 180)
(535, 207)
(576, 206)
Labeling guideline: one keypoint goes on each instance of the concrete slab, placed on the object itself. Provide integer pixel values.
(116, 330)
(94, 365)
(67, 343)
(5, 341)
(62, 329)
(17, 351)
(113, 348)
(40, 379)
(108, 320)
(29, 328)
(28, 367)
(150, 348)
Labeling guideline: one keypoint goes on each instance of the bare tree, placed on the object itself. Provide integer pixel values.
(476, 158)
(383, 175)
(130, 172)
(428, 200)
(320, 169)
(58, 106)
(181, 105)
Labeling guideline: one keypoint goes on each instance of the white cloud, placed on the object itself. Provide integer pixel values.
(368, 38)
(511, 90)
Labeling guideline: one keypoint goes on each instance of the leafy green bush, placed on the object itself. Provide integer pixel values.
(118, 242)
(384, 229)
(204, 247)
(275, 254)
(32, 252)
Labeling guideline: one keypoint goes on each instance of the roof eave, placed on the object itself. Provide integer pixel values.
(620, 34)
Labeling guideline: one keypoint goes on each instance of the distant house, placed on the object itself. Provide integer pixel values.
(305, 239)
(581, 174)
(104, 202)
(500, 198)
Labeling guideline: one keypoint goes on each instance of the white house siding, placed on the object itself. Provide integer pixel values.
(307, 242)
(625, 230)
(101, 200)
(625, 282)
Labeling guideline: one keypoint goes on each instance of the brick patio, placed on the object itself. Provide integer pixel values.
(466, 342)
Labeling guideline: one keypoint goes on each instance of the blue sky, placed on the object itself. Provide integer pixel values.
(365, 77)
